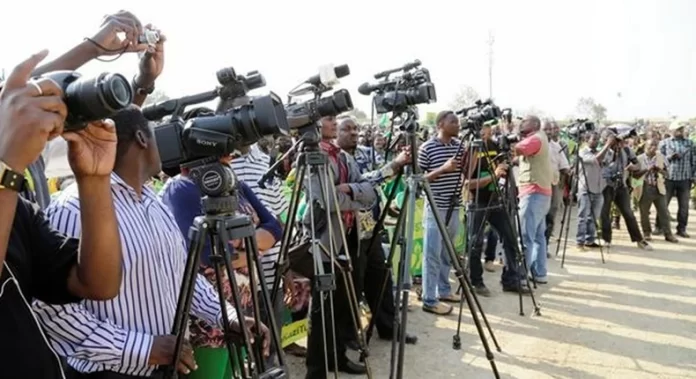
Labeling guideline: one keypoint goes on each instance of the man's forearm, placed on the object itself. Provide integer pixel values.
(75, 58)
(433, 175)
(8, 207)
(99, 269)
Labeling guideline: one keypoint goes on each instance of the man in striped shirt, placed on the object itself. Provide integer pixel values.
(439, 158)
(129, 335)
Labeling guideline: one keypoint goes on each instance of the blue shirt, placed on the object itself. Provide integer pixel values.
(183, 197)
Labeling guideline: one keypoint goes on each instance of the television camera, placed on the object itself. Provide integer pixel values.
(400, 93)
(580, 126)
(473, 117)
(209, 137)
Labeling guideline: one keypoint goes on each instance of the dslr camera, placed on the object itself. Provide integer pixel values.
(301, 115)
(580, 126)
(91, 99)
(204, 139)
(400, 93)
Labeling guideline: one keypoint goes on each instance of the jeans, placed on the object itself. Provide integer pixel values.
(589, 209)
(622, 199)
(502, 225)
(556, 198)
(680, 189)
(436, 260)
(491, 244)
(651, 196)
(533, 210)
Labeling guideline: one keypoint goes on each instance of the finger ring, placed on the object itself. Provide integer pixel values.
(37, 86)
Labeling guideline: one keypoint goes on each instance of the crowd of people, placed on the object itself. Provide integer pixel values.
(93, 259)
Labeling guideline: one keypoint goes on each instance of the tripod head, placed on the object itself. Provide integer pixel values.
(217, 183)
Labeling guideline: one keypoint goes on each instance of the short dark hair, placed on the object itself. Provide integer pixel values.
(442, 116)
(128, 122)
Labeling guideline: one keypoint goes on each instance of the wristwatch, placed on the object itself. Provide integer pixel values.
(10, 179)
(142, 90)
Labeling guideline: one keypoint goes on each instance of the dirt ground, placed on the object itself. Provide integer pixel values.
(631, 317)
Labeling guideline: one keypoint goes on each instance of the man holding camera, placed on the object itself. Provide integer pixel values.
(486, 206)
(535, 181)
(681, 173)
(618, 160)
(37, 261)
(653, 170)
(590, 187)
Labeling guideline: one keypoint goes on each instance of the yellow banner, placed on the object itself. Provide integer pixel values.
(294, 332)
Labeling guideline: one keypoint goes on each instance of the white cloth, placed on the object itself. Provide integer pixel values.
(55, 155)
(559, 161)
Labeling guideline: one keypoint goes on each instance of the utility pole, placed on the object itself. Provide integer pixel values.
(491, 40)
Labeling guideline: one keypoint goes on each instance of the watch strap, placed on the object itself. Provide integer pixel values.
(10, 179)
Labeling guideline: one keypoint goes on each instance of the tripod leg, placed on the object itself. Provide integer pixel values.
(468, 292)
(564, 219)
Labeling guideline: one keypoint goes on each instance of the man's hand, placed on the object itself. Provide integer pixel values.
(92, 151)
(403, 158)
(674, 156)
(633, 167)
(501, 170)
(250, 326)
(108, 40)
(611, 141)
(30, 114)
(450, 166)
(152, 62)
(345, 188)
(162, 353)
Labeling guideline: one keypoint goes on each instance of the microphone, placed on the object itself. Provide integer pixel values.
(340, 71)
(367, 88)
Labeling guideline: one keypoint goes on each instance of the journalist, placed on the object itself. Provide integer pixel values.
(485, 205)
(534, 182)
(618, 161)
(590, 187)
(354, 193)
(560, 167)
(436, 157)
(653, 170)
(38, 262)
(370, 270)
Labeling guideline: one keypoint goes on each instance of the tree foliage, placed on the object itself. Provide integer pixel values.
(429, 119)
(155, 97)
(588, 108)
(465, 96)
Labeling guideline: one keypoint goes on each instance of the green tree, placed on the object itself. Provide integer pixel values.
(359, 115)
(588, 108)
(429, 119)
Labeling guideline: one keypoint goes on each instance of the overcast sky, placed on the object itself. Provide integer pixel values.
(547, 54)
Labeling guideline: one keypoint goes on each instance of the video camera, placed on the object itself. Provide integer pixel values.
(307, 113)
(475, 116)
(629, 132)
(505, 142)
(204, 139)
(397, 94)
(580, 127)
(91, 99)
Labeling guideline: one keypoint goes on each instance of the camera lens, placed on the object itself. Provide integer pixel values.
(339, 102)
(95, 98)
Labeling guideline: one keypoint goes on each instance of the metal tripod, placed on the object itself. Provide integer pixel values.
(311, 164)
(220, 225)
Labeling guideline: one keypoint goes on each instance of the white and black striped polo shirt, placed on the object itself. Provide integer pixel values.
(249, 169)
(433, 154)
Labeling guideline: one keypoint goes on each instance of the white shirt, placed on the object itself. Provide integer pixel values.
(559, 161)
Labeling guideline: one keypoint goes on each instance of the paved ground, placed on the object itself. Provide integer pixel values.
(631, 317)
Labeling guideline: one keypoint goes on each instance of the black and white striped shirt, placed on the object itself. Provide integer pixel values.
(249, 169)
(117, 334)
(433, 154)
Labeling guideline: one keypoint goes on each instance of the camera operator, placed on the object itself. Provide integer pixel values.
(485, 205)
(354, 193)
(590, 187)
(617, 161)
(436, 158)
(560, 168)
(653, 170)
(370, 269)
(105, 42)
(39, 262)
(534, 182)
(681, 173)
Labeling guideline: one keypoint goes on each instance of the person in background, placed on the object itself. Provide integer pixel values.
(439, 158)
(590, 187)
(535, 182)
(680, 153)
(560, 168)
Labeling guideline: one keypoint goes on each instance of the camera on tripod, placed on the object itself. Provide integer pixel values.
(399, 94)
(91, 99)
(579, 127)
(475, 116)
(203, 140)
(305, 114)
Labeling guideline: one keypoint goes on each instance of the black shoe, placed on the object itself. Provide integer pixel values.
(482, 290)
(683, 234)
(524, 290)
(353, 345)
(350, 367)
(593, 245)
(410, 338)
(658, 232)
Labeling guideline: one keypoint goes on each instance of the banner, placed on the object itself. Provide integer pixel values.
(294, 332)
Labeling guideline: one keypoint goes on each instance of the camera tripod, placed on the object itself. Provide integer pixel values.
(312, 258)
(403, 236)
(567, 207)
(220, 225)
